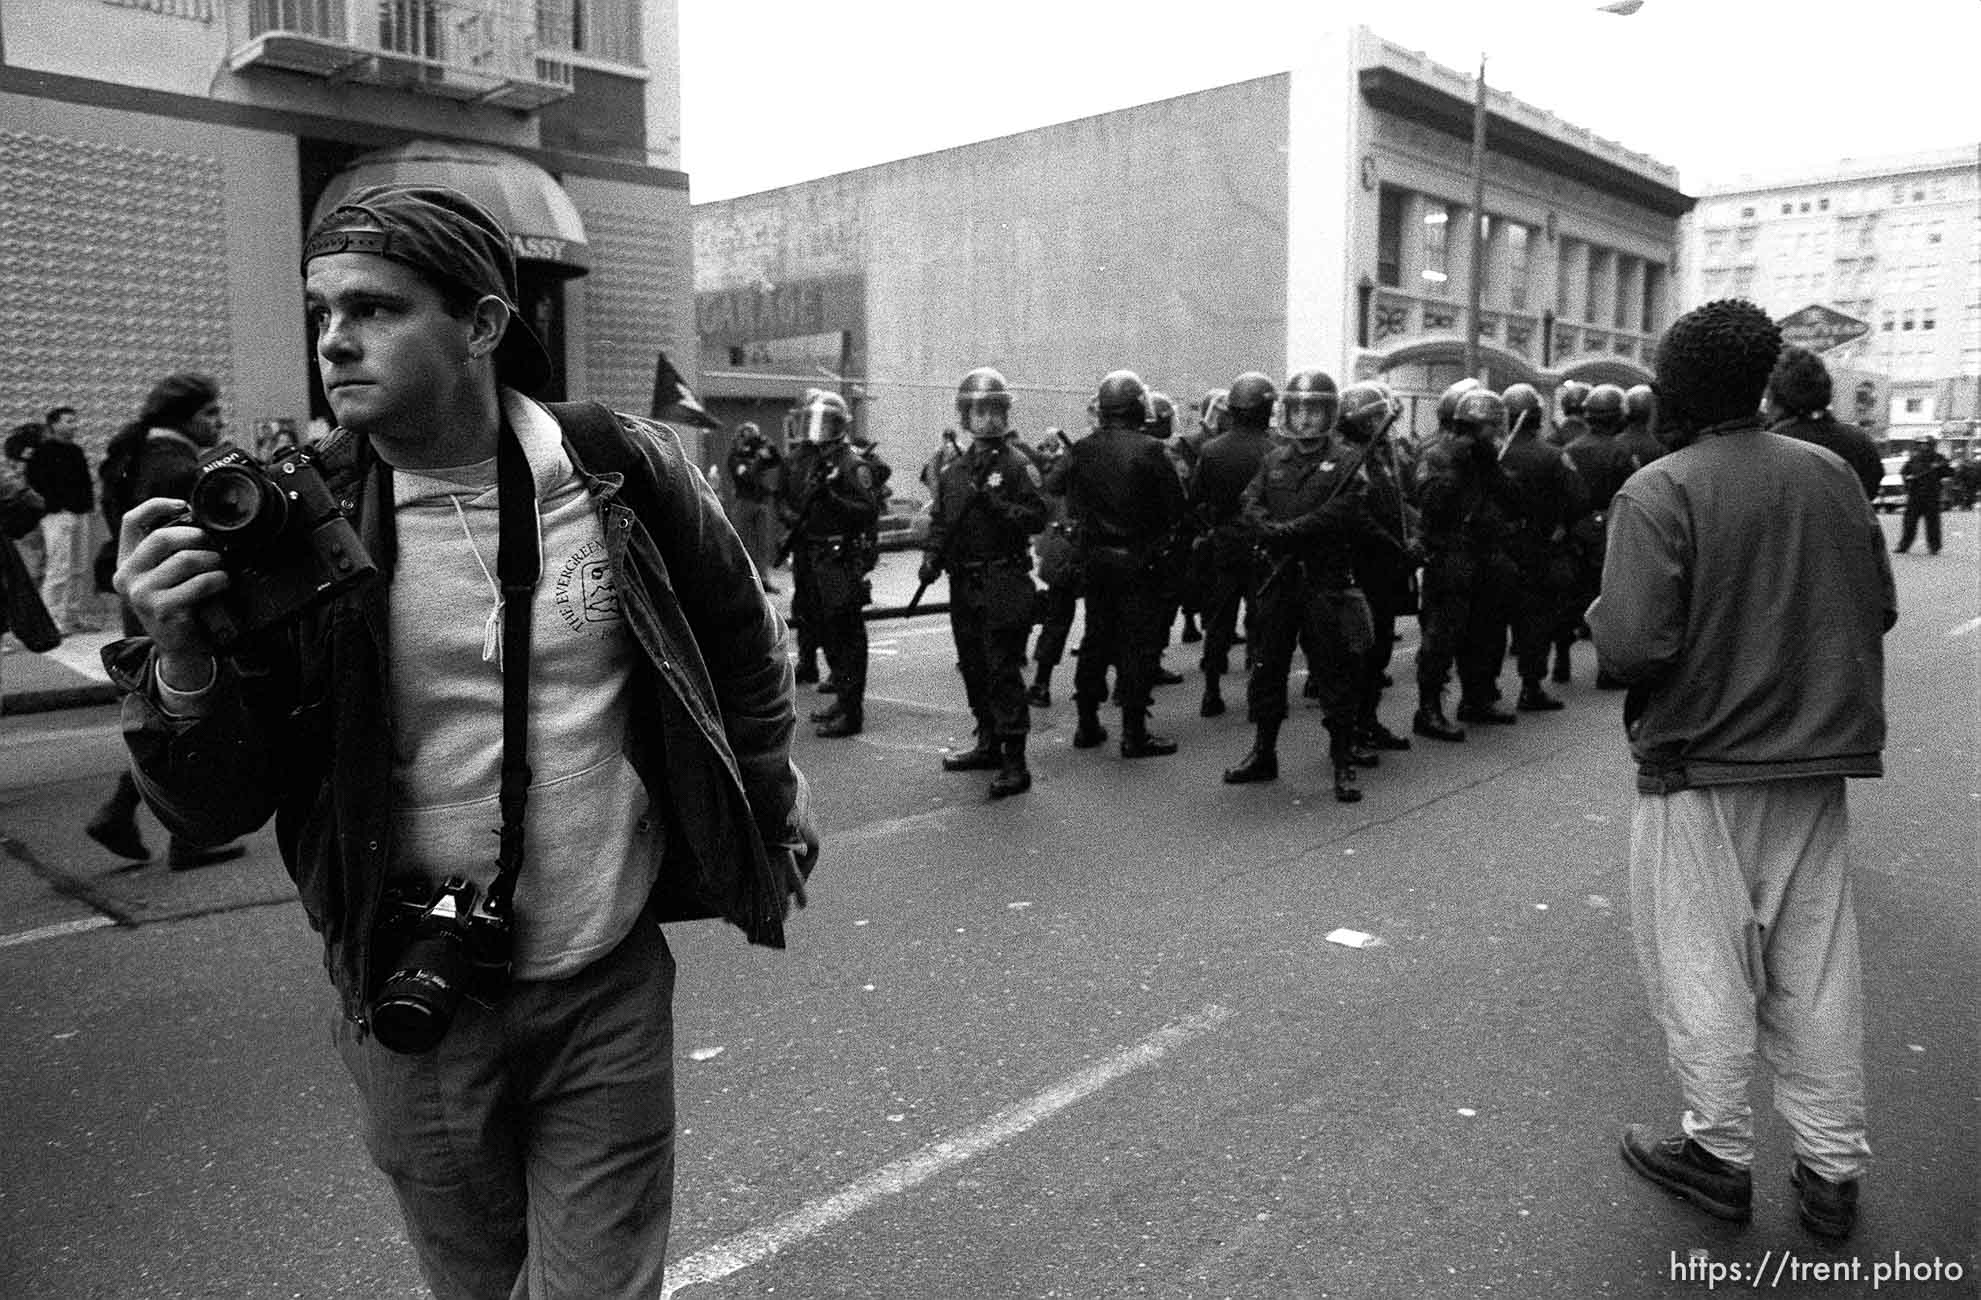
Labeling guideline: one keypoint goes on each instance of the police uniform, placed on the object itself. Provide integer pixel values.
(1468, 514)
(840, 510)
(1550, 497)
(1225, 466)
(987, 505)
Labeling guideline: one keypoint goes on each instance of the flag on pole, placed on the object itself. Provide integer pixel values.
(672, 398)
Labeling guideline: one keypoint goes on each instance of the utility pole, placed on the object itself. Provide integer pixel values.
(1475, 280)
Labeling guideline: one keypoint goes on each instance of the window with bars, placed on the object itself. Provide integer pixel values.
(602, 29)
(1389, 237)
(200, 10)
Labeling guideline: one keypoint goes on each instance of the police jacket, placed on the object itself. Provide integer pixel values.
(1603, 465)
(1467, 502)
(1921, 472)
(1225, 467)
(1745, 600)
(1120, 491)
(753, 470)
(1547, 488)
(987, 506)
(832, 493)
(1642, 447)
(1312, 507)
(301, 728)
(1382, 557)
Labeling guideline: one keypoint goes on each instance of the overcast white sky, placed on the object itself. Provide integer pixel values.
(778, 91)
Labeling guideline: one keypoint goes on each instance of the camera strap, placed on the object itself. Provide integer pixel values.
(518, 565)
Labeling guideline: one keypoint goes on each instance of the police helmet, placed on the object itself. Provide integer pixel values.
(824, 417)
(1251, 400)
(1479, 414)
(1524, 407)
(1367, 408)
(1122, 399)
(1162, 415)
(1214, 411)
(1604, 408)
(1572, 396)
(983, 391)
(1448, 400)
(1639, 404)
(1311, 394)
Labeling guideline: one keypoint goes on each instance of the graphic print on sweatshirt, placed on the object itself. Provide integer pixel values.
(583, 594)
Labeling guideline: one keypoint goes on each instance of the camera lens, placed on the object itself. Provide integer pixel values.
(237, 503)
(418, 1000)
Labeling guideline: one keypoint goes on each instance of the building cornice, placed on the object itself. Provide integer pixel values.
(256, 117)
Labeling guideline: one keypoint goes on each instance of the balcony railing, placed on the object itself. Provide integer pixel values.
(1396, 318)
(486, 51)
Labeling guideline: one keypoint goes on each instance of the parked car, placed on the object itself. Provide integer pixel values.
(1891, 488)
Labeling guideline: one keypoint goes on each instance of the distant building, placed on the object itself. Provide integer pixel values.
(1316, 217)
(160, 161)
(1893, 242)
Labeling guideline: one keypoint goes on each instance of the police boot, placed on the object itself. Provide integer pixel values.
(1041, 692)
(1213, 701)
(1535, 700)
(1262, 764)
(1136, 742)
(1562, 671)
(1372, 734)
(1090, 732)
(843, 719)
(1431, 721)
(1341, 752)
(981, 758)
(1013, 777)
(1485, 711)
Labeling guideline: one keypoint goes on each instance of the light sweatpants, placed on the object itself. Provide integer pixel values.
(66, 583)
(1745, 927)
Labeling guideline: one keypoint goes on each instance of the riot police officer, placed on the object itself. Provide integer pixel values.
(1549, 493)
(1570, 398)
(1059, 570)
(753, 469)
(1603, 466)
(1172, 566)
(1123, 499)
(1307, 505)
(835, 511)
(1434, 454)
(800, 455)
(987, 506)
(1468, 511)
(1213, 418)
(1225, 466)
(1386, 559)
(1639, 435)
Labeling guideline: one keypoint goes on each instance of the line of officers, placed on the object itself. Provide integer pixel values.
(1291, 519)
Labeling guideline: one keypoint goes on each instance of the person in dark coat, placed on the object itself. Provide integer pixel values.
(156, 455)
(59, 472)
(1603, 467)
(834, 512)
(987, 506)
(1924, 470)
(753, 467)
(1639, 435)
(1225, 466)
(1799, 401)
(1124, 500)
(1386, 558)
(1550, 495)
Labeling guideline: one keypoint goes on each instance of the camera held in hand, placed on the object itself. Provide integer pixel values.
(282, 538)
(435, 946)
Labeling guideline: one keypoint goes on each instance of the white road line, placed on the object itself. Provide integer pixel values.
(753, 1247)
(1964, 628)
(55, 931)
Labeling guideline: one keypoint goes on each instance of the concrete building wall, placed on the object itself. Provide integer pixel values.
(637, 299)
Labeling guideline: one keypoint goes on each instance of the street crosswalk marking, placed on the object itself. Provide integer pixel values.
(753, 1247)
(55, 931)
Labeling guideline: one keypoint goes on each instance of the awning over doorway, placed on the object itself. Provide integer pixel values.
(544, 225)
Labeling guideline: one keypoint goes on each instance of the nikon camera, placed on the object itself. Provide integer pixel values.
(434, 946)
(282, 539)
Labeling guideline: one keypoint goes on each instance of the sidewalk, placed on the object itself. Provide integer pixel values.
(71, 675)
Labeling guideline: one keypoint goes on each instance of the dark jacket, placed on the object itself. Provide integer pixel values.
(60, 472)
(1312, 508)
(301, 730)
(1549, 491)
(753, 469)
(1745, 600)
(832, 492)
(987, 506)
(1922, 472)
(1120, 491)
(1846, 440)
(1467, 502)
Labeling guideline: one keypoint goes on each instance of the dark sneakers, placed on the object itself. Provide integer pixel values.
(1829, 1210)
(1690, 1172)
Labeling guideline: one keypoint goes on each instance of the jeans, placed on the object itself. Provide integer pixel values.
(532, 1151)
(1745, 927)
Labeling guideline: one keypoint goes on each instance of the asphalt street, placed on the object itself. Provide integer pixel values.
(1090, 1042)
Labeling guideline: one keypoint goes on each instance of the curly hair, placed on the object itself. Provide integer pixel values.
(1800, 384)
(1714, 362)
(174, 400)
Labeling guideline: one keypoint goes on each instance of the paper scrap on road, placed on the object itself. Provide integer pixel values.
(1598, 901)
(705, 1053)
(1352, 938)
(1018, 906)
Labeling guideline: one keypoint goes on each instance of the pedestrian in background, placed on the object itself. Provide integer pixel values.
(59, 471)
(1799, 404)
(20, 447)
(1745, 599)
(156, 455)
(753, 468)
(528, 1131)
(1923, 472)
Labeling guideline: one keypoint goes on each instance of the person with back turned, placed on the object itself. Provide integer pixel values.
(1225, 466)
(987, 506)
(562, 641)
(1745, 598)
(1124, 500)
